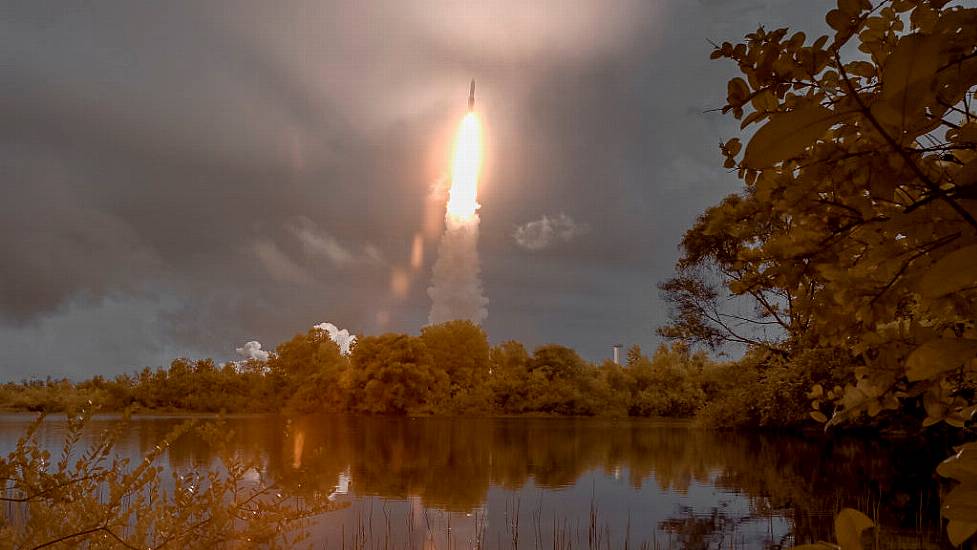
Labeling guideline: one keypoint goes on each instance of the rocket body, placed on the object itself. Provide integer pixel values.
(471, 97)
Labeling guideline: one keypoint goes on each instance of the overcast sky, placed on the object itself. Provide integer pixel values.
(181, 177)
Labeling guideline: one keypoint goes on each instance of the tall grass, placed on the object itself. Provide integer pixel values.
(561, 533)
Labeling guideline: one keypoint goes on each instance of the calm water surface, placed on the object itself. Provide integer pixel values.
(443, 483)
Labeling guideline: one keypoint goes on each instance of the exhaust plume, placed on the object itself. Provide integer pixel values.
(456, 287)
(342, 338)
(252, 350)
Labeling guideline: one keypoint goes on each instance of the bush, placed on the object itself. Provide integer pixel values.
(95, 500)
(767, 390)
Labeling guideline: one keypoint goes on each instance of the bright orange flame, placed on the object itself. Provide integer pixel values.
(465, 165)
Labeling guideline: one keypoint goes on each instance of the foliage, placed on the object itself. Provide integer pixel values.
(767, 390)
(52, 395)
(90, 497)
(509, 377)
(449, 369)
(394, 374)
(856, 229)
(556, 377)
(849, 525)
(669, 384)
(461, 350)
(960, 504)
(308, 369)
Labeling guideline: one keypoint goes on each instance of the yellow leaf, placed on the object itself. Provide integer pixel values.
(849, 524)
(764, 101)
(861, 68)
(850, 7)
(819, 416)
(937, 356)
(924, 17)
(787, 134)
(737, 91)
(961, 467)
(837, 20)
(960, 504)
(964, 134)
(733, 146)
(751, 118)
(967, 175)
(909, 74)
(902, 5)
(960, 531)
(934, 406)
(951, 273)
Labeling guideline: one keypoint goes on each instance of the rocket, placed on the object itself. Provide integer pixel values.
(471, 97)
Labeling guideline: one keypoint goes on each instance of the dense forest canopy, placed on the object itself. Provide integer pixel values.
(449, 368)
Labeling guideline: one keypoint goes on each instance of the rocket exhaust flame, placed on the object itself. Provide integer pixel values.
(456, 287)
(465, 165)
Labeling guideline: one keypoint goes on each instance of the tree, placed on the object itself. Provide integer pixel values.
(557, 380)
(510, 376)
(634, 356)
(755, 311)
(857, 228)
(309, 368)
(669, 384)
(461, 350)
(394, 374)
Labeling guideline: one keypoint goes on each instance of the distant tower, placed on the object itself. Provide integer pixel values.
(617, 353)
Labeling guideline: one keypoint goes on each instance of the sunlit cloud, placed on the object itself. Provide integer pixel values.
(547, 231)
(279, 265)
(317, 243)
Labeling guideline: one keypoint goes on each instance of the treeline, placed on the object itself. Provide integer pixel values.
(448, 369)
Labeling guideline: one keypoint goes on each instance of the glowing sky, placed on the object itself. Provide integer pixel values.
(180, 177)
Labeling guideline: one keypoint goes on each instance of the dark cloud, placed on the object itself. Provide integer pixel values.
(181, 178)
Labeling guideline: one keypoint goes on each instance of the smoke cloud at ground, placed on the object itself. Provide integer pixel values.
(252, 350)
(342, 338)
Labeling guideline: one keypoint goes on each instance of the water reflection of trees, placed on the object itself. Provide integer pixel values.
(451, 463)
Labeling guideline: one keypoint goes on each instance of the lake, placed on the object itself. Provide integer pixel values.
(546, 482)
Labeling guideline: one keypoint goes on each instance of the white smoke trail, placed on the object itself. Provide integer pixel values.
(456, 286)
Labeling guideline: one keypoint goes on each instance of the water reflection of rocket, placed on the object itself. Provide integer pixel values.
(471, 97)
